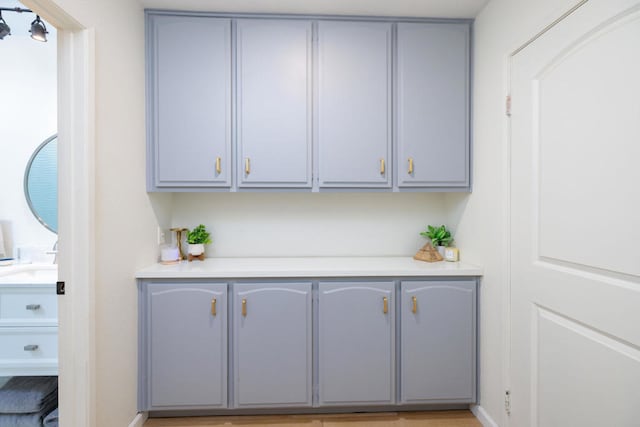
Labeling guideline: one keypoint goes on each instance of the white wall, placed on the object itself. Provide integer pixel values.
(125, 224)
(281, 224)
(481, 219)
(28, 116)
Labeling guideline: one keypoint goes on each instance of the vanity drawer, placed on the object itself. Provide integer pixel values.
(29, 351)
(28, 306)
(28, 343)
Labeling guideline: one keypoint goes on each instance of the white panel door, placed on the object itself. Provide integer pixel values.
(575, 218)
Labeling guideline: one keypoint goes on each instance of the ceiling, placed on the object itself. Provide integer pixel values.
(409, 8)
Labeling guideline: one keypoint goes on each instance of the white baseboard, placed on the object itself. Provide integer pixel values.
(139, 420)
(483, 417)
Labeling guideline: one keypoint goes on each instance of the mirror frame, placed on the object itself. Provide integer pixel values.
(26, 182)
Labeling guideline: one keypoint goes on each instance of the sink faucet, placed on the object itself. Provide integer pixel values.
(54, 252)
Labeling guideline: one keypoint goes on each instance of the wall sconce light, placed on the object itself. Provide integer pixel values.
(38, 29)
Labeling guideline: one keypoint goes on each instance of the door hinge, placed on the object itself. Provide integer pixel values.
(60, 288)
(507, 402)
(507, 106)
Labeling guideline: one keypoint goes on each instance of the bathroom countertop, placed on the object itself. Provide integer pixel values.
(215, 268)
(28, 274)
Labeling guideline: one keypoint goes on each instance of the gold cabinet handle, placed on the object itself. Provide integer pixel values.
(218, 165)
(213, 307)
(382, 167)
(414, 309)
(244, 307)
(410, 165)
(385, 305)
(247, 166)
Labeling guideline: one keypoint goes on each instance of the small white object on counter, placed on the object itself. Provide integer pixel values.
(169, 254)
(213, 268)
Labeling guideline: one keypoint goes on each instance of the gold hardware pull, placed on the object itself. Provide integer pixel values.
(247, 166)
(414, 309)
(382, 168)
(385, 305)
(218, 165)
(213, 307)
(244, 307)
(410, 166)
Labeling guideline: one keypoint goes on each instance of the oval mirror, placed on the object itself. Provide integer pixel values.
(41, 183)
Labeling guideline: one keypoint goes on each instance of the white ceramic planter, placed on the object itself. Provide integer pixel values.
(196, 249)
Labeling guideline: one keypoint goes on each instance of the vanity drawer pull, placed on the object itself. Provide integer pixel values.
(385, 305)
(33, 307)
(414, 309)
(31, 347)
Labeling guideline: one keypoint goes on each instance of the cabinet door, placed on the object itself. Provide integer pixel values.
(272, 344)
(354, 104)
(433, 105)
(189, 111)
(187, 342)
(274, 103)
(438, 341)
(356, 343)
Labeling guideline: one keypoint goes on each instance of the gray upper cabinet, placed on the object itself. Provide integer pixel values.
(274, 103)
(272, 344)
(303, 103)
(189, 102)
(354, 104)
(438, 341)
(432, 105)
(186, 346)
(356, 350)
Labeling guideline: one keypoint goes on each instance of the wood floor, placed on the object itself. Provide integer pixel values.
(388, 419)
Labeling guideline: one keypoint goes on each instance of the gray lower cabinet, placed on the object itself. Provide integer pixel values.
(274, 100)
(188, 102)
(354, 104)
(272, 344)
(356, 346)
(432, 105)
(438, 341)
(186, 346)
(337, 337)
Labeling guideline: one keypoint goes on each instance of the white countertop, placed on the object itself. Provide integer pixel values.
(28, 274)
(218, 268)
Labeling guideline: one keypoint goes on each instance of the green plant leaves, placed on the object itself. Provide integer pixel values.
(439, 236)
(199, 235)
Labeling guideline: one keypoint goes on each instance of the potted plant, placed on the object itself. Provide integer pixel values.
(440, 237)
(197, 238)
